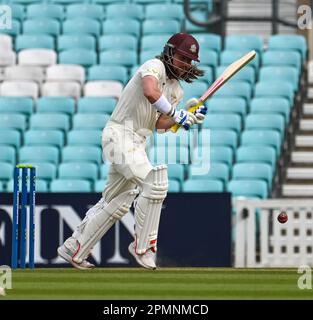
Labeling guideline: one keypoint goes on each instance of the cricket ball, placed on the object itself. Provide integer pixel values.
(282, 217)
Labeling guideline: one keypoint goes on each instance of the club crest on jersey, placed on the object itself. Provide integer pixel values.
(193, 48)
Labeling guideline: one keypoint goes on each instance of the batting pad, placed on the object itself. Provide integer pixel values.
(99, 219)
(148, 209)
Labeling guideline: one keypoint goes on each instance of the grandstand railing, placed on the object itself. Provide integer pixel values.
(220, 17)
(261, 241)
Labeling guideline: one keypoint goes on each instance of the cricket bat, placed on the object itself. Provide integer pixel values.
(220, 81)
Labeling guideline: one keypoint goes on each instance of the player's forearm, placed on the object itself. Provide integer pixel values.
(164, 122)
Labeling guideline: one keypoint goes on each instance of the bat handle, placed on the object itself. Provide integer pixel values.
(176, 126)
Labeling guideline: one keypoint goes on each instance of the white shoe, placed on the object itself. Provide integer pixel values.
(68, 250)
(146, 260)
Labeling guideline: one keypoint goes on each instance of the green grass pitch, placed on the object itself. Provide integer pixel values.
(164, 283)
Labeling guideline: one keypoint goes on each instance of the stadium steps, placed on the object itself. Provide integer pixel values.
(242, 8)
(299, 173)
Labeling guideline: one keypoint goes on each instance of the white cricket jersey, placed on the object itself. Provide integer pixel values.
(134, 106)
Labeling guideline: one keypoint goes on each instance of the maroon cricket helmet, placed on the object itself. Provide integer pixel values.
(184, 44)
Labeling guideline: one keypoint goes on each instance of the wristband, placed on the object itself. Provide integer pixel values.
(163, 105)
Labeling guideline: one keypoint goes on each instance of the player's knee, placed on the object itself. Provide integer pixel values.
(155, 186)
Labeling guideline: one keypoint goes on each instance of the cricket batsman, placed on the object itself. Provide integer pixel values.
(148, 102)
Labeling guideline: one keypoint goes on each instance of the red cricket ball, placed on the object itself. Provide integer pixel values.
(282, 217)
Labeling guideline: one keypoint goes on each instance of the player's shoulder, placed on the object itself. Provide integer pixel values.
(157, 63)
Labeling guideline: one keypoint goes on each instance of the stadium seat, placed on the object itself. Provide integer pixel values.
(169, 155)
(12, 121)
(121, 26)
(282, 58)
(208, 76)
(70, 185)
(239, 89)
(223, 138)
(84, 137)
(176, 172)
(210, 154)
(271, 105)
(66, 73)
(70, 89)
(45, 10)
(265, 154)
(147, 55)
(19, 89)
(96, 105)
(17, 11)
(78, 170)
(6, 171)
(107, 72)
(262, 138)
(210, 58)
(127, 58)
(16, 105)
(50, 121)
(216, 171)
(229, 56)
(44, 138)
(125, 10)
(83, 57)
(90, 121)
(75, 41)
(82, 26)
(6, 43)
(265, 121)
(45, 170)
(86, 10)
(82, 154)
(253, 171)
(42, 26)
(41, 185)
(293, 42)
(209, 41)
(282, 89)
(246, 74)
(100, 185)
(227, 105)
(10, 137)
(159, 26)
(1, 187)
(164, 11)
(37, 57)
(7, 58)
(203, 186)
(29, 154)
(154, 41)
(24, 73)
(248, 188)
(244, 42)
(280, 73)
(14, 31)
(7, 154)
(56, 105)
(223, 121)
(199, 14)
(40, 41)
(173, 186)
(193, 90)
(118, 42)
(103, 88)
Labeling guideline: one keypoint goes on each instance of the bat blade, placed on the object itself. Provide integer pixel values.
(230, 71)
